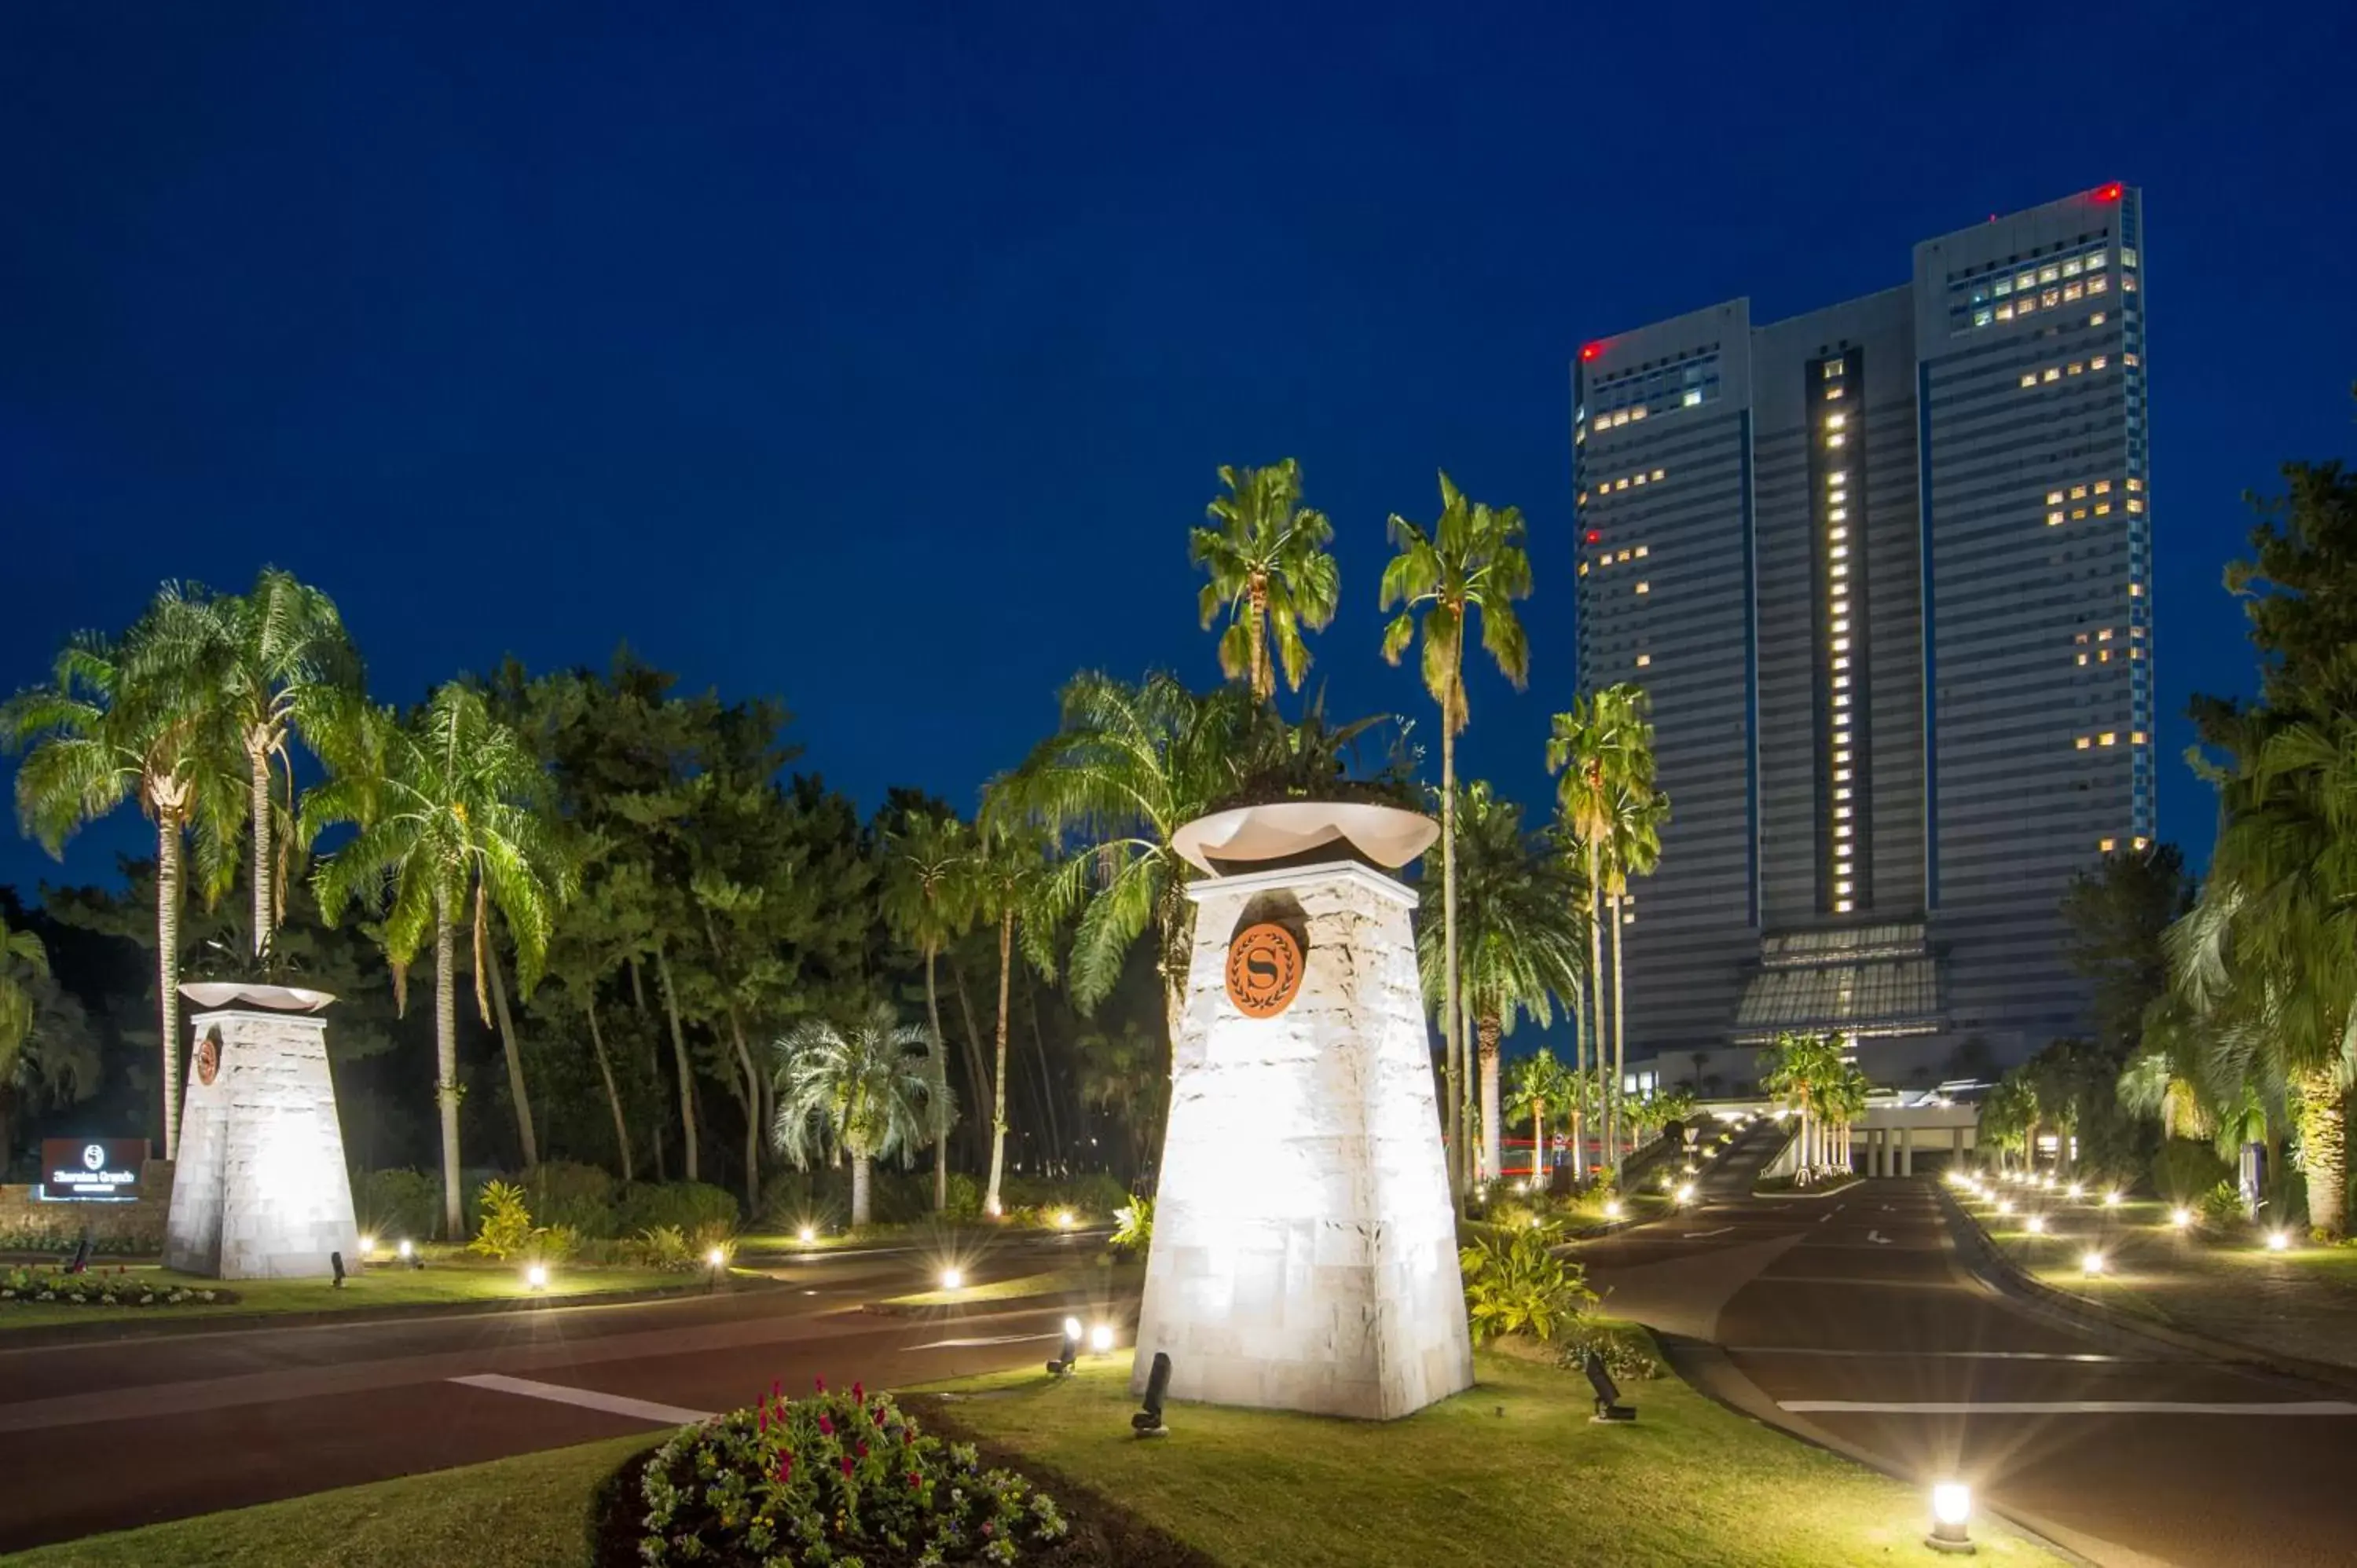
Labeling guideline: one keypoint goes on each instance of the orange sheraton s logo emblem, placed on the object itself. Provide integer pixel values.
(1263, 971)
(208, 1057)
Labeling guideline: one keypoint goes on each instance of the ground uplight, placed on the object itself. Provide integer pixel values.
(536, 1277)
(2180, 1218)
(2092, 1263)
(1612, 1209)
(714, 1259)
(809, 1234)
(2035, 1225)
(2005, 1206)
(2277, 1240)
(1951, 1513)
(1063, 1220)
(2111, 1200)
(1685, 1193)
(953, 1279)
(1101, 1338)
(405, 1249)
(367, 1245)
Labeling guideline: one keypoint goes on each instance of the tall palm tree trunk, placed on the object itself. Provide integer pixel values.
(861, 1209)
(257, 756)
(998, 1079)
(1596, 971)
(1492, 1152)
(1460, 1136)
(516, 1089)
(1538, 1118)
(2324, 1142)
(752, 1112)
(613, 1096)
(446, 1062)
(1264, 673)
(971, 1044)
(941, 1074)
(679, 1054)
(167, 969)
(1612, 1120)
(1579, 1082)
(1047, 1075)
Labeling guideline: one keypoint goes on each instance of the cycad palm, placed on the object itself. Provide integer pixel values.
(860, 1093)
(1270, 571)
(1471, 565)
(927, 884)
(458, 812)
(118, 721)
(1542, 1090)
(268, 660)
(1519, 933)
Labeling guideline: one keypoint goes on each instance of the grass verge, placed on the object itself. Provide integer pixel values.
(1511, 1468)
(438, 1285)
(1102, 1281)
(530, 1511)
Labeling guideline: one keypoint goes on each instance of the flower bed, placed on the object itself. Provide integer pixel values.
(835, 1480)
(103, 1287)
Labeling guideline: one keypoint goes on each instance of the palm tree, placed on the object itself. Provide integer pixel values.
(1609, 806)
(1470, 563)
(459, 811)
(860, 1093)
(114, 722)
(1804, 1074)
(1540, 1084)
(2265, 958)
(1270, 571)
(22, 960)
(1129, 765)
(926, 886)
(1011, 883)
(267, 658)
(1519, 936)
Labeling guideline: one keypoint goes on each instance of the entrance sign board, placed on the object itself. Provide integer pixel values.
(92, 1170)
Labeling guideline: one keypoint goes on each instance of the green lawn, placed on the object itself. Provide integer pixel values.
(532, 1511)
(441, 1283)
(1512, 1471)
(1103, 1279)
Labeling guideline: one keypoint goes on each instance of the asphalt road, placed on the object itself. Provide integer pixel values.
(105, 1435)
(1849, 1319)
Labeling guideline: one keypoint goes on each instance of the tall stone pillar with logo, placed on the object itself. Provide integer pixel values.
(260, 1191)
(1305, 1248)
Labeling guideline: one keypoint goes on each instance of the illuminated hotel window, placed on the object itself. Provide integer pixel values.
(2134, 506)
(1841, 814)
(1838, 477)
(2104, 635)
(1837, 514)
(1833, 368)
(2082, 743)
(2136, 484)
(2097, 319)
(1842, 830)
(2138, 841)
(2078, 512)
(2048, 275)
(1840, 775)
(2053, 518)
(1841, 682)
(2097, 286)
(1841, 794)
(2077, 491)
(2075, 367)
(1657, 473)
(2103, 509)
(2099, 361)
(1840, 569)
(2130, 359)
(1641, 550)
(2052, 375)
(1841, 756)
(2082, 659)
(1839, 550)
(1841, 664)
(2071, 291)
(2103, 487)
(1841, 626)
(2030, 378)
(1832, 392)
(2135, 737)
(1841, 645)
(2105, 846)
(2135, 590)
(1693, 396)
(1836, 421)
(1643, 660)
(1836, 439)
(1836, 533)
(1583, 568)
(2109, 737)
(1644, 587)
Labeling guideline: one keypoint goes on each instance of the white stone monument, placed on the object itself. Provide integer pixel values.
(260, 1190)
(1305, 1247)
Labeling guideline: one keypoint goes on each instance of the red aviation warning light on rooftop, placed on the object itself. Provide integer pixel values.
(2109, 192)
(1589, 350)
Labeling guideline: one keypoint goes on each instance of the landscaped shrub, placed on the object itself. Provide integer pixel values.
(2183, 1169)
(503, 1227)
(791, 1199)
(1133, 1226)
(102, 1288)
(1085, 1196)
(1628, 1350)
(688, 1205)
(2222, 1205)
(836, 1479)
(394, 1204)
(581, 1197)
(662, 1247)
(1514, 1284)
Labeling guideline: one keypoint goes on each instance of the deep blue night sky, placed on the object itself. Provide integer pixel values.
(882, 361)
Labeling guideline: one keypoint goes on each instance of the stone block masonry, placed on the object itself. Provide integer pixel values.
(260, 1191)
(1305, 1251)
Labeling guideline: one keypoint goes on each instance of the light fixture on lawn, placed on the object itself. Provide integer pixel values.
(1951, 1512)
(2035, 1225)
(715, 1259)
(2277, 1240)
(2077, 1191)
(536, 1276)
(367, 1245)
(2005, 1206)
(1612, 1208)
(1069, 1352)
(2092, 1263)
(1063, 1220)
(2180, 1217)
(1685, 1194)
(2112, 1199)
(1101, 1338)
(809, 1234)
(953, 1279)
(1147, 1422)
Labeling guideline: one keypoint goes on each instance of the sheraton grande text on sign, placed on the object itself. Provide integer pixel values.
(84, 1170)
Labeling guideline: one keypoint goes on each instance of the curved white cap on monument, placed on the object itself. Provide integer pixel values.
(1390, 836)
(239, 993)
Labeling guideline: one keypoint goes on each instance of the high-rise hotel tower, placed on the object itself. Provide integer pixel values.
(1885, 570)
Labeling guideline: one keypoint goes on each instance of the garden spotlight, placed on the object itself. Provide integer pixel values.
(1069, 1352)
(2035, 1225)
(2277, 1240)
(2091, 1264)
(536, 1276)
(953, 1279)
(809, 1234)
(1101, 1338)
(2111, 1200)
(2180, 1218)
(367, 1245)
(1952, 1510)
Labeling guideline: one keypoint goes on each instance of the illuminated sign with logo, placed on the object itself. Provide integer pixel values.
(92, 1170)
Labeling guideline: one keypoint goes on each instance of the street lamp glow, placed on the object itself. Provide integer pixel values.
(2034, 1224)
(2077, 1191)
(2005, 1206)
(2277, 1240)
(809, 1234)
(2111, 1200)
(2180, 1217)
(1101, 1338)
(536, 1276)
(2091, 1264)
(953, 1279)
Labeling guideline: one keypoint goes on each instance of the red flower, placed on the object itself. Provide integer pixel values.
(915, 1480)
(785, 1468)
(858, 1394)
(826, 1428)
(765, 1418)
(988, 1527)
(820, 1383)
(863, 1450)
(846, 1463)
